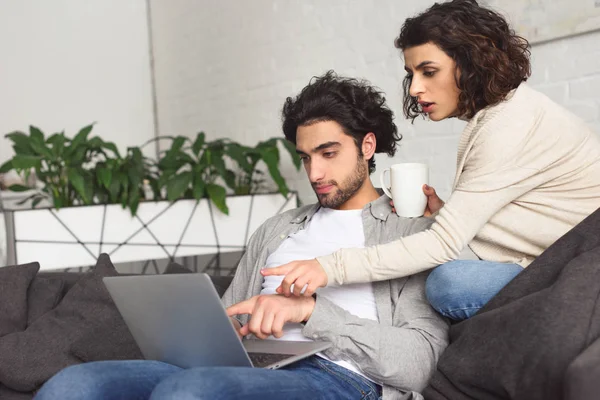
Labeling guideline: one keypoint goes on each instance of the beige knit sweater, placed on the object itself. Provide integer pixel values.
(527, 172)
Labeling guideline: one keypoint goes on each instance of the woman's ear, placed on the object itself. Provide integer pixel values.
(369, 145)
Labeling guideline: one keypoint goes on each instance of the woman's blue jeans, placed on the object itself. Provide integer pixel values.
(458, 289)
(312, 378)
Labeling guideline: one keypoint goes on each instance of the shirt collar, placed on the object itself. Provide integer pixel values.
(379, 208)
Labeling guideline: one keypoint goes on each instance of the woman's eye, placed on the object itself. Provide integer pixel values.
(429, 74)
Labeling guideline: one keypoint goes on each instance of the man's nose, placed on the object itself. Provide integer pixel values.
(316, 172)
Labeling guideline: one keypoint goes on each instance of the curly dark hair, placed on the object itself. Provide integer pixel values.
(355, 104)
(491, 59)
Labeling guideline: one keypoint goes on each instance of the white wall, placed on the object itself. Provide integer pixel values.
(66, 63)
(226, 68)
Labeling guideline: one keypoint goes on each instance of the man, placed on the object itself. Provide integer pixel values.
(386, 338)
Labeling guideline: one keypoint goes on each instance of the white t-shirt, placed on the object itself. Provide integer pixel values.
(327, 231)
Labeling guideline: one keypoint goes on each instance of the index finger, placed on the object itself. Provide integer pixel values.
(281, 270)
(243, 307)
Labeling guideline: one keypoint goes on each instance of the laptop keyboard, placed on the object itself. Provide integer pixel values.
(261, 360)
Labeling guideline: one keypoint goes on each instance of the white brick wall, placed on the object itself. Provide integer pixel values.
(67, 63)
(226, 68)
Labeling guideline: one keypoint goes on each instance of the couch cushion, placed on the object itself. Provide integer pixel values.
(582, 380)
(14, 283)
(43, 295)
(221, 282)
(174, 268)
(30, 357)
(69, 279)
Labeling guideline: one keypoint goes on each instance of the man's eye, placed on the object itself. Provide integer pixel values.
(304, 158)
(329, 154)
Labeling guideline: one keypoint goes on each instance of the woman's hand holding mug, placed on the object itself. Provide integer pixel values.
(434, 203)
(406, 188)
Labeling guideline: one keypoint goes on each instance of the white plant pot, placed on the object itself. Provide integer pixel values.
(75, 236)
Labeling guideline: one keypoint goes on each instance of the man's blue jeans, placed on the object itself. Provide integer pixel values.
(312, 378)
(458, 289)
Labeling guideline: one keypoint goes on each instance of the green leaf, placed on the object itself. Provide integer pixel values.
(56, 137)
(124, 199)
(89, 189)
(36, 134)
(95, 143)
(7, 166)
(291, 149)
(135, 176)
(134, 201)
(112, 147)
(178, 143)
(238, 154)
(36, 201)
(81, 135)
(77, 180)
(104, 177)
(198, 187)
(229, 178)
(155, 189)
(271, 157)
(38, 142)
(23, 162)
(57, 141)
(178, 184)
(21, 142)
(218, 196)
(198, 143)
(18, 188)
(115, 187)
(173, 161)
(218, 162)
(78, 157)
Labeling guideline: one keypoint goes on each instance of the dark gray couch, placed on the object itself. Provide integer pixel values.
(539, 338)
(51, 320)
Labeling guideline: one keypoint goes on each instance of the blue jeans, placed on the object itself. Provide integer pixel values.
(458, 289)
(314, 378)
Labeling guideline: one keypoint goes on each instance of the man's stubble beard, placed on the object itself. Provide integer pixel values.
(349, 187)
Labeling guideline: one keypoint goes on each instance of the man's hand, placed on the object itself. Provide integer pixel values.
(269, 313)
(300, 274)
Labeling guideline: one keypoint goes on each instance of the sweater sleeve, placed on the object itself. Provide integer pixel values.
(454, 227)
(497, 171)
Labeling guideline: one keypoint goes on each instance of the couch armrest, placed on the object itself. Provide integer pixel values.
(582, 379)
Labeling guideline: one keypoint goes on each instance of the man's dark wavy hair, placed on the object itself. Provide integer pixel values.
(491, 58)
(354, 104)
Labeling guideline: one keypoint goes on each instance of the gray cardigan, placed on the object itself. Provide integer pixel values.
(401, 350)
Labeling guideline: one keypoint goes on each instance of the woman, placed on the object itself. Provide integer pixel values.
(527, 170)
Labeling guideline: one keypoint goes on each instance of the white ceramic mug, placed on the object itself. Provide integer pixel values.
(406, 189)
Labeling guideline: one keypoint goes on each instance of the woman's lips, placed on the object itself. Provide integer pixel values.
(426, 107)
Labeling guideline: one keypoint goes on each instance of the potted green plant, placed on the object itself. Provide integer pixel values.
(195, 168)
(97, 197)
(80, 171)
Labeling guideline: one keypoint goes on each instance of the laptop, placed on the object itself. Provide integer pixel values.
(179, 319)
